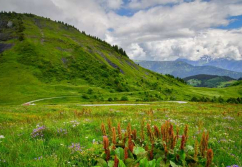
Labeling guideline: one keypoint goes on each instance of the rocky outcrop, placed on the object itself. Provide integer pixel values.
(4, 47)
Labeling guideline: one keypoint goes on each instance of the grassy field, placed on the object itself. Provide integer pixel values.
(70, 134)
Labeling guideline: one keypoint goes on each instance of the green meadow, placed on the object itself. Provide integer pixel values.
(71, 133)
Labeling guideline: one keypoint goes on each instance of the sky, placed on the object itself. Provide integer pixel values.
(159, 30)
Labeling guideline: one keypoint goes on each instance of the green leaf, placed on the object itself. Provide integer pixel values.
(144, 162)
(110, 163)
(120, 153)
(158, 162)
(152, 163)
(121, 163)
(173, 164)
(129, 162)
(189, 148)
(101, 162)
(139, 150)
(182, 155)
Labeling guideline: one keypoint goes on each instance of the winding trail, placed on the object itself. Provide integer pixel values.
(30, 103)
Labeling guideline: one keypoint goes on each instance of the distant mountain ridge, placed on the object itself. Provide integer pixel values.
(228, 64)
(183, 69)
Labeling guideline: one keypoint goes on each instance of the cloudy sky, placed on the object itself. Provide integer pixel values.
(151, 29)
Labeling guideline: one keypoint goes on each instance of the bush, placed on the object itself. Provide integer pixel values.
(124, 98)
(194, 99)
(110, 99)
(89, 91)
(85, 96)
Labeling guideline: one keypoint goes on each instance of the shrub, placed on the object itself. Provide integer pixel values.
(89, 91)
(110, 99)
(124, 98)
(85, 96)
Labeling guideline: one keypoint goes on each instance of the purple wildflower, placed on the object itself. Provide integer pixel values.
(75, 147)
(38, 132)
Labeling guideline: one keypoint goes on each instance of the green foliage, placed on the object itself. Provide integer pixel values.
(110, 99)
(124, 98)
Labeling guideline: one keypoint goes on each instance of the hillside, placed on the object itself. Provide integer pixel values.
(182, 69)
(41, 58)
(228, 64)
(210, 81)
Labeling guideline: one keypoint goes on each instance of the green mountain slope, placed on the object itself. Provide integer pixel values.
(211, 81)
(182, 69)
(40, 58)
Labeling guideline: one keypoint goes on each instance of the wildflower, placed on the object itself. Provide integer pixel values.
(119, 132)
(186, 132)
(131, 144)
(110, 125)
(204, 143)
(209, 157)
(103, 130)
(134, 134)
(183, 142)
(116, 161)
(129, 130)
(75, 147)
(106, 147)
(38, 132)
(2, 137)
(156, 132)
(196, 149)
(114, 136)
(126, 154)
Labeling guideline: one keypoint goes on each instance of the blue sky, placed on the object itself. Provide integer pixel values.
(235, 22)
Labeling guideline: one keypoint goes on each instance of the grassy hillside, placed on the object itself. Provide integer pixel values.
(40, 58)
(210, 81)
(182, 69)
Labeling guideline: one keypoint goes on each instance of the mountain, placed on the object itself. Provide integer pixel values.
(228, 64)
(211, 81)
(182, 69)
(42, 58)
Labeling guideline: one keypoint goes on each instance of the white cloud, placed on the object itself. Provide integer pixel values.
(156, 31)
(142, 4)
(216, 43)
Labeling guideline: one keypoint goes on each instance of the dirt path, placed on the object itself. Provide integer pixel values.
(127, 104)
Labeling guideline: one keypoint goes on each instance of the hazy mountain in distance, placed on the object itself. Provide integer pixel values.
(182, 69)
(228, 64)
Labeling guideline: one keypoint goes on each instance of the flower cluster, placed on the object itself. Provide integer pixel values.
(74, 123)
(38, 132)
(75, 147)
(39, 158)
(62, 131)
